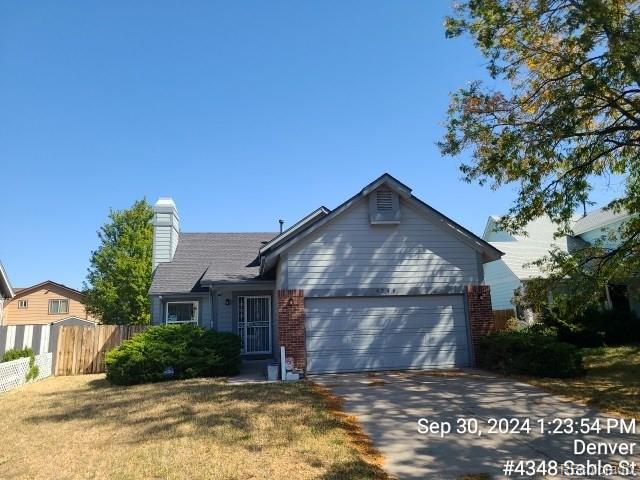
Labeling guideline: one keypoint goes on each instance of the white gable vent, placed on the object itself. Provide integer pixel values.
(384, 207)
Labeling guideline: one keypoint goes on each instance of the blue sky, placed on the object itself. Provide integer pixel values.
(243, 111)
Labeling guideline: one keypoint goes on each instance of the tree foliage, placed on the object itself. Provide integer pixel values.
(569, 112)
(119, 277)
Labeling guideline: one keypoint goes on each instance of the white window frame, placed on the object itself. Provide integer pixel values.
(60, 302)
(196, 311)
(23, 304)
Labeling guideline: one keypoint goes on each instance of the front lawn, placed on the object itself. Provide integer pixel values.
(83, 427)
(612, 382)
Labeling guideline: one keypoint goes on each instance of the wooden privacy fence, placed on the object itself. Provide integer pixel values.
(500, 318)
(81, 350)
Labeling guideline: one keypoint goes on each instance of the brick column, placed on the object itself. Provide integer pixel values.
(291, 326)
(480, 312)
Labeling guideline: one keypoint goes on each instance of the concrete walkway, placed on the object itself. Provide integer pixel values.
(389, 406)
(251, 371)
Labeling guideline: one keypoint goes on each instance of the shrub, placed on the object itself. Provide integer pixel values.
(33, 371)
(513, 325)
(16, 353)
(173, 352)
(541, 329)
(616, 327)
(595, 327)
(529, 353)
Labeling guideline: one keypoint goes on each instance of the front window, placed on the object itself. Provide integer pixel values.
(58, 306)
(23, 303)
(182, 312)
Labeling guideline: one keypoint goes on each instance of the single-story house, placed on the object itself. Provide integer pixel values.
(511, 272)
(44, 303)
(383, 281)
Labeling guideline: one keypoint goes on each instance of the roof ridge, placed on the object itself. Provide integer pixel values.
(228, 233)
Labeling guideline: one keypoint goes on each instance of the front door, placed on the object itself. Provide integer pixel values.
(254, 323)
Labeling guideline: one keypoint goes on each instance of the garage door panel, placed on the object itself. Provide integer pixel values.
(391, 320)
(341, 340)
(377, 333)
(389, 327)
(435, 357)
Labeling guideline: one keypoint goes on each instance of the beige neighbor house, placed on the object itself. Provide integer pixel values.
(44, 303)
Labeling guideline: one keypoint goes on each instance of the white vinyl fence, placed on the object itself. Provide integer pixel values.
(14, 373)
(36, 337)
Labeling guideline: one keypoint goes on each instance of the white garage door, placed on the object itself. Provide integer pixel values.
(350, 334)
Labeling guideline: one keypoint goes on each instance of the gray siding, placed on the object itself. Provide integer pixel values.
(350, 253)
(166, 227)
(225, 312)
(206, 319)
(165, 242)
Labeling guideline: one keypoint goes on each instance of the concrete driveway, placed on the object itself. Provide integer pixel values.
(389, 406)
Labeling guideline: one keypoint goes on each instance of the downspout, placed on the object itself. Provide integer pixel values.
(608, 297)
(211, 306)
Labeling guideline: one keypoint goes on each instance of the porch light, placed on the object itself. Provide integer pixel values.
(227, 302)
(290, 302)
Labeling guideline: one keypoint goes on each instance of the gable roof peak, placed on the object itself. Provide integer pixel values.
(391, 182)
(25, 290)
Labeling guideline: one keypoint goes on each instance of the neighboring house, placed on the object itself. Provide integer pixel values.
(514, 269)
(44, 303)
(6, 292)
(383, 281)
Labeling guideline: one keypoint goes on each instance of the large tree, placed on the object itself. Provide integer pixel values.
(119, 277)
(566, 111)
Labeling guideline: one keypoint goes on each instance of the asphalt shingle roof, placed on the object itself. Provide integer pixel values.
(597, 219)
(216, 257)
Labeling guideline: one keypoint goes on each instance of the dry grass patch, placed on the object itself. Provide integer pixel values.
(612, 382)
(83, 427)
(361, 442)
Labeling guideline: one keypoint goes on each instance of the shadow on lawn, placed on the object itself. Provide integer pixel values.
(250, 417)
(612, 381)
(187, 408)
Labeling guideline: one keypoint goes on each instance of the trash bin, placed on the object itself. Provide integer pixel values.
(272, 372)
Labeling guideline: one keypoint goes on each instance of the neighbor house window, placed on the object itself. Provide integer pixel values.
(182, 312)
(23, 303)
(56, 307)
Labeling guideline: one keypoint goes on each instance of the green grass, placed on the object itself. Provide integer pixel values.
(82, 427)
(612, 381)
